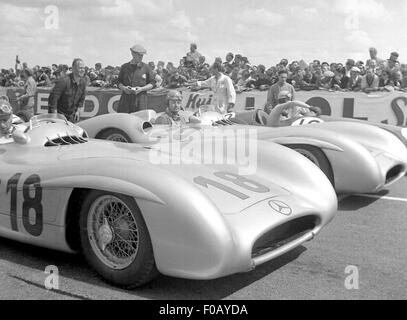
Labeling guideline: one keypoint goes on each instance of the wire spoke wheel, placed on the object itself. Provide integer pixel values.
(115, 239)
(113, 232)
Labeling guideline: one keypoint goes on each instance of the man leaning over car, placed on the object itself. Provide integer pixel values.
(68, 95)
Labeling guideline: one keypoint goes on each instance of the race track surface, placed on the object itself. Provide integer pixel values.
(369, 233)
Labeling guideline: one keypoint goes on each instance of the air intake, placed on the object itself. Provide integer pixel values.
(394, 173)
(64, 141)
(284, 234)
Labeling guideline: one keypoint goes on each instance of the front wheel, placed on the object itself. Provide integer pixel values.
(115, 239)
(114, 135)
(316, 156)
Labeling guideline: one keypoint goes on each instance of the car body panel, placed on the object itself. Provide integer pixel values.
(197, 232)
(364, 159)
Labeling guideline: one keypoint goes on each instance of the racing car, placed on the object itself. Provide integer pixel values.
(399, 132)
(133, 218)
(356, 157)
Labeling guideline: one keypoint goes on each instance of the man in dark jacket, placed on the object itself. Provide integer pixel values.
(68, 95)
(135, 79)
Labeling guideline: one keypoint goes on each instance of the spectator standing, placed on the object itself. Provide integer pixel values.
(193, 55)
(228, 64)
(176, 80)
(170, 67)
(26, 100)
(204, 73)
(397, 79)
(151, 64)
(67, 97)
(275, 89)
(100, 72)
(201, 64)
(135, 79)
(392, 62)
(263, 81)
(373, 56)
(361, 67)
(18, 66)
(309, 77)
(370, 81)
(297, 78)
(326, 81)
(224, 94)
(236, 61)
(44, 78)
(372, 64)
(245, 81)
(385, 80)
(350, 63)
(218, 60)
(355, 80)
(340, 80)
(234, 75)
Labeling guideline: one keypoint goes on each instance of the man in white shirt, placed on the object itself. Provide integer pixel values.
(224, 94)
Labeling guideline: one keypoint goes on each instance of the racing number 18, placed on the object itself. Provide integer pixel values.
(33, 203)
(237, 180)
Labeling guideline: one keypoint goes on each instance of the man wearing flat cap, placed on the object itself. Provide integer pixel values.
(135, 79)
(391, 62)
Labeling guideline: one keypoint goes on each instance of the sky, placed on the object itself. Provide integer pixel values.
(57, 31)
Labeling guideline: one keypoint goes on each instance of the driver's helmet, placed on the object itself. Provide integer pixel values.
(174, 95)
(5, 109)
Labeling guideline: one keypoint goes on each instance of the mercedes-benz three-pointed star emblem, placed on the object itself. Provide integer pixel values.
(280, 207)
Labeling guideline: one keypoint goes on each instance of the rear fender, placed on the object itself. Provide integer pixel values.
(313, 142)
(109, 184)
(132, 125)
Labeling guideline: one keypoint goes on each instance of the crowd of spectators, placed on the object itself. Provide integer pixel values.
(373, 75)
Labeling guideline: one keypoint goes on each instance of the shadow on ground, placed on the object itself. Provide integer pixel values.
(166, 288)
(355, 202)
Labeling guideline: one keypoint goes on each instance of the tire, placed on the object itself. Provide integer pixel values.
(316, 156)
(114, 134)
(122, 256)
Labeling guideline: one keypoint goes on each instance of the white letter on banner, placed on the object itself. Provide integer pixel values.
(110, 104)
(94, 111)
(42, 102)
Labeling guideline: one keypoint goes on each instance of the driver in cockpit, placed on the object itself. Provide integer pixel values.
(6, 119)
(172, 114)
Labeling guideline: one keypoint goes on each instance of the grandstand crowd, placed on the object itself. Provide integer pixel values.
(375, 74)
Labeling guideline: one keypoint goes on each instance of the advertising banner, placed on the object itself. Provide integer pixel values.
(385, 107)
